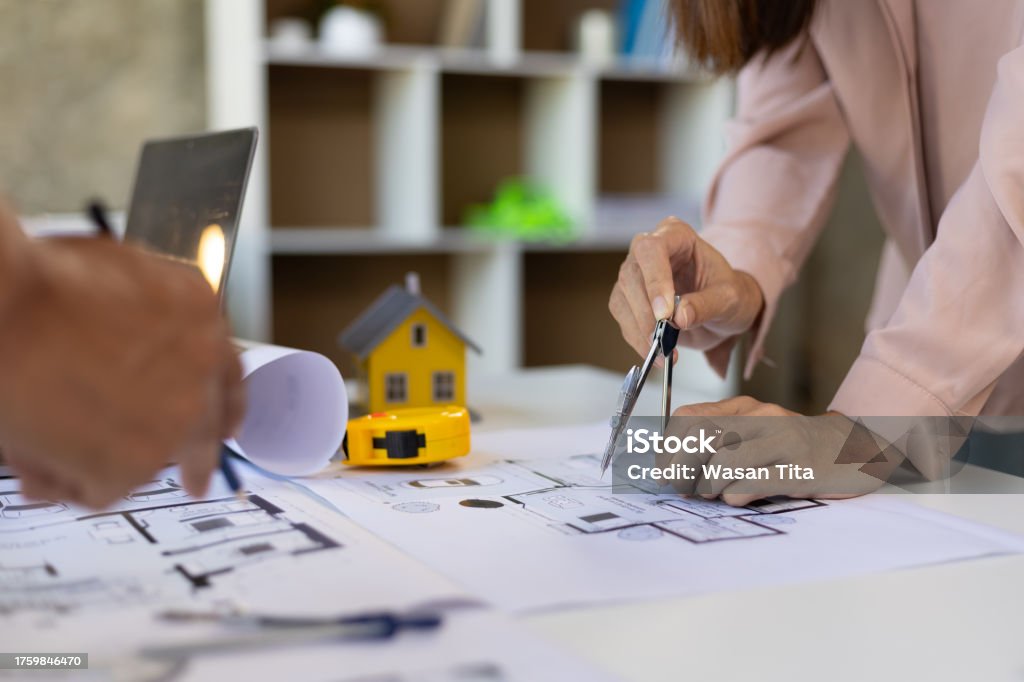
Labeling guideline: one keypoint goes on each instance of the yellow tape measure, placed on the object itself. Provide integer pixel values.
(421, 435)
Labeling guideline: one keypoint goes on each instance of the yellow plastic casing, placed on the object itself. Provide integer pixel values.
(441, 433)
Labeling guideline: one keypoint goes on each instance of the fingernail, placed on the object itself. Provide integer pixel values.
(661, 309)
(688, 314)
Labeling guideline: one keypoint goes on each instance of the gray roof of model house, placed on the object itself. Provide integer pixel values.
(390, 309)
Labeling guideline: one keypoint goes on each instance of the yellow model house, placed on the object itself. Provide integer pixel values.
(411, 354)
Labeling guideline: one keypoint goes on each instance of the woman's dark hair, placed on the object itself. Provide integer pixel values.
(723, 35)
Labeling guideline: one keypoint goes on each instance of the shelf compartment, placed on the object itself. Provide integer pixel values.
(321, 130)
(566, 296)
(482, 139)
(660, 138)
(628, 142)
(548, 25)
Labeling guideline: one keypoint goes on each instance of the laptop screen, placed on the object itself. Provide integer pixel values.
(188, 197)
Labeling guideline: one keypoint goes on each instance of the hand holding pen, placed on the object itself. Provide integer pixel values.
(98, 213)
(114, 363)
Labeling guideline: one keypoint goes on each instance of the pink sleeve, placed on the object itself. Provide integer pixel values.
(775, 188)
(960, 322)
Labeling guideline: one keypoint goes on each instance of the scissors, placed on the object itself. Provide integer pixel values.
(663, 343)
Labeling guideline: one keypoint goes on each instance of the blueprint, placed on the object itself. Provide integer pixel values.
(96, 582)
(547, 531)
(522, 524)
(274, 549)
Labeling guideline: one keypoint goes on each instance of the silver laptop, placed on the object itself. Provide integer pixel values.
(188, 196)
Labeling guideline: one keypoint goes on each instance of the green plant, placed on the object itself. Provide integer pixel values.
(523, 210)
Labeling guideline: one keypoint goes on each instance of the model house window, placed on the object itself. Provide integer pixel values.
(444, 387)
(396, 388)
(419, 335)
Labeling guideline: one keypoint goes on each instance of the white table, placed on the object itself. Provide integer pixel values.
(961, 621)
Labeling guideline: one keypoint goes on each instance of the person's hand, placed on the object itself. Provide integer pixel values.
(844, 459)
(717, 302)
(113, 362)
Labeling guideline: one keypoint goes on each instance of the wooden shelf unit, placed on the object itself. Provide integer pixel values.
(367, 164)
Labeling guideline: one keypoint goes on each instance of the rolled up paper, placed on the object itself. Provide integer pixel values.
(296, 412)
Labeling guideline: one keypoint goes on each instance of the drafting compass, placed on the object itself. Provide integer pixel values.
(663, 343)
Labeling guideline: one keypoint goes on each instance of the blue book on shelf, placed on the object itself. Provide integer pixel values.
(652, 32)
(630, 13)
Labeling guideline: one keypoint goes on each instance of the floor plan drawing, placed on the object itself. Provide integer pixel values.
(548, 531)
(275, 550)
(205, 539)
(566, 496)
(600, 509)
(522, 534)
(18, 513)
(159, 546)
(50, 592)
(198, 541)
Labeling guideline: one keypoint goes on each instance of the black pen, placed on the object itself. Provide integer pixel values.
(98, 214)
(229, 473)
(260, 632)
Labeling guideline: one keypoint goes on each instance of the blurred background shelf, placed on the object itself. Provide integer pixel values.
(369, 162)
(342, 240)
(326, 241)
(479, 61)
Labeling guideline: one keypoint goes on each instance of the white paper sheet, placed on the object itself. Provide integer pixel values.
(72, 576)
(544, 532)
(297, 410)
(74, 580)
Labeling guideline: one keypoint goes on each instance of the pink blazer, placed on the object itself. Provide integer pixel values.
(946, 333)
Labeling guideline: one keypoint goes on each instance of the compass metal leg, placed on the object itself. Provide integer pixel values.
(666, 393)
